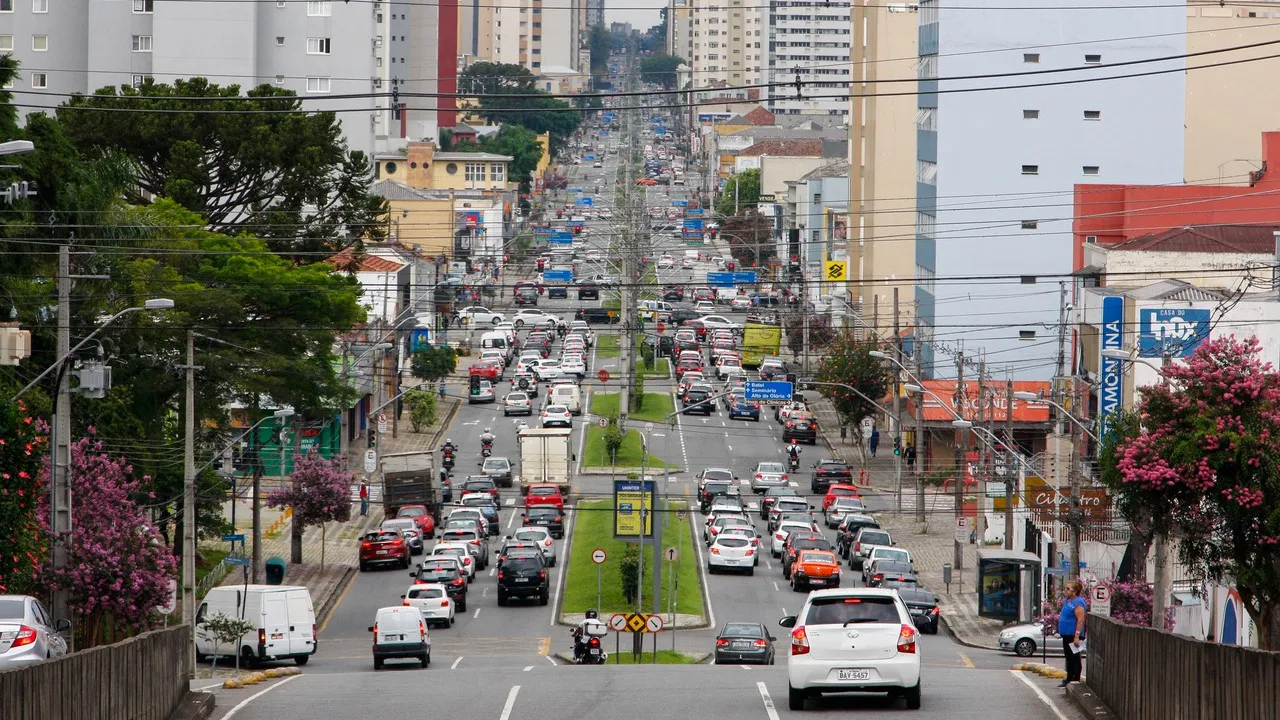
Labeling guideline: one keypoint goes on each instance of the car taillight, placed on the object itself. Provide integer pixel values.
(501, 575)
(26, 636)
(375, 634)
(595, 642)
(762, 643)
(444, 603)
(790, 424)
(366, 544)
(715, 551)
(799, 642)
(422, 629)
(262, 637)
(857, 547)
(907, 639)
(936, 610)
(759, 476)
(750, 552)
(779, 536)
(542, 575)
(405, 602)
(721, 642)
(397, 542)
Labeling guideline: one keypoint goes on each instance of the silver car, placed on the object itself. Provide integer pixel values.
(1029, 639)
(767, 475)
(27, 634)
(841, 508)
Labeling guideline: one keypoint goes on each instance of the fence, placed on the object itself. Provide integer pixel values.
(1145, 674)
(142, 678)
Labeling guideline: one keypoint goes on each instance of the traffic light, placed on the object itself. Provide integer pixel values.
(897, 445)
(373, 437)
(475, 384)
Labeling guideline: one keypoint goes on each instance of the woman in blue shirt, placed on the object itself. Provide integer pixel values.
(1071, 628)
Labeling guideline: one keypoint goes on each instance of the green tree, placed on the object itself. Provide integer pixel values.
(661, 69)
(848, 361)
(494, 84)
(600, 43)
(522, 145)
(629, 567)
(225, 629)
(285, 175)
(434, 363)
(8, 111)
(422, 409)
(741, 192)
(613, 437)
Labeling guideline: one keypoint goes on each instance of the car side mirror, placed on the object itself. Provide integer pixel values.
(772, 638)
(62, 625)
(787, 621)
(401, 597)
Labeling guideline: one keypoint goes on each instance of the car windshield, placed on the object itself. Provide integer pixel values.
(894, 555)
(791, 505)
(831, 467)
(556, 410)
(518, 397)
(849, 610)
(438, 572)
(782, 492)
(424, 593)
(381, 536)
(497, 464)
(733, 542)
(461, 535)
(456, 551)
(530, 535)
(544, 491)
(874, 538)
(848, 503)
(543, 514)
(722, 475)
(477, 486)
(769, 467)
(814, 557)
(12, 609)
(522, 562)
(477, 501)
(816, 543)
(411, 512)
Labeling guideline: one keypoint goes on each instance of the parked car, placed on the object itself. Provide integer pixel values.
(28, 635)
(282, 623)
(1027, 639)
(743, 643)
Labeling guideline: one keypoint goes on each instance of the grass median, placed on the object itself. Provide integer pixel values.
(593, 528)
(665, 657)
(655, 408)
(629, 457)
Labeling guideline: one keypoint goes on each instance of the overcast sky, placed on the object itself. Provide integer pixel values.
(642, 14)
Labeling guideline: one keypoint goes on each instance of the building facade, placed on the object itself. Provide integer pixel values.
(729, 47)
(810, 42)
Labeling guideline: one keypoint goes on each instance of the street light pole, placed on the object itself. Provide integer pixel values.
(962, 442)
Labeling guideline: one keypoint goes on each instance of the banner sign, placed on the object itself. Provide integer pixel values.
(1111, 371)
(1173, 331)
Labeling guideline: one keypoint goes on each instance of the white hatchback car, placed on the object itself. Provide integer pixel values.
(853, 640)
(556, 416)
(432, 601)
(732, 552)
(541, 537)
(779, 540)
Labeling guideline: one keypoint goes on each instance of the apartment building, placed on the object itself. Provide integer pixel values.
(680, 29)
(595, 13)
(316, 49)
(728, 48)
(478, 23)
(996, 169)
(417, 53)
(811, 43)
(560, 35)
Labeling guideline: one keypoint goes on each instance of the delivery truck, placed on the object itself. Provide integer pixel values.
(409, 479)
(546, 456)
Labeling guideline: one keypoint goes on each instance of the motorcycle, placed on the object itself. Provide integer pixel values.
(587, 650)
(794, 462)
(447, 460)
(486, 448)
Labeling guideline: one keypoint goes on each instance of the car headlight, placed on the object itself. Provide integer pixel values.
(1006, 634)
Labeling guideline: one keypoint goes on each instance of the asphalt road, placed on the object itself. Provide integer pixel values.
(497, 662)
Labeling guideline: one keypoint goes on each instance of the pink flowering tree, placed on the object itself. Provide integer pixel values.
(320, 493)
(119, 568)
(22, 541)
(1206, 465)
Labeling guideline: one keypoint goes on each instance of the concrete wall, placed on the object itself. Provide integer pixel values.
(776, 171)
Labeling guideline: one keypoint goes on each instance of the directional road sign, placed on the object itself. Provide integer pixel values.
(673, 553)
(720, 279)
(768, 390)
(565, 276)
(598, 556)
(234, 560)
(693, 212)
(679, 203)
(618, 622)
(585, 202)
(603, 422)
(233, 537)
(561, 237)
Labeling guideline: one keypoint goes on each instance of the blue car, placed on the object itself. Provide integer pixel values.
(742, 408)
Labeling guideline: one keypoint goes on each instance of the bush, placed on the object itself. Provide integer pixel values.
(422, 409)
(613, 437)
(630, 569)
(637, 394)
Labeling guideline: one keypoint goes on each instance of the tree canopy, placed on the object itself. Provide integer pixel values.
(740, 193)
(661, 69)
(847, 360)
(509, 93)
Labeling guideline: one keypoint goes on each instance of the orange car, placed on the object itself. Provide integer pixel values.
(815, 568)
(837, 490)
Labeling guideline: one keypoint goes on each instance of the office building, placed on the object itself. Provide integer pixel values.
(811, 43)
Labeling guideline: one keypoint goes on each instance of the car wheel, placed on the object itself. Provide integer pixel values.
(1026, 647)
(495, 319)
(462, 606)
(795, 698)
(377, 663)
(912, 696)
(363, 567)
(751, 570)
(544, 598)
(519, 323)
(502, 599)
(711, 569)
(426, 659)
(404, 564)
(247, 658)
(302, 659)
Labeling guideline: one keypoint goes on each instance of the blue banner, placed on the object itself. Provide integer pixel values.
(1176, 332)
(588, 157)
(542, 231)
(419, 339)
(1111, 371)
(564, 276)
(720, 279)
(679, 203)
(744, 277)
(693, 212)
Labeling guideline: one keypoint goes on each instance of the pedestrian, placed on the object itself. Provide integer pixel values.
(875, 441)
(910, 455)
(1071, 628)
(364, 498)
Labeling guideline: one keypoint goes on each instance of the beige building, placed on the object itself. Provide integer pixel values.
(523, 32)
(421, 166)
(1246, 89)
(728, 47)
(422, 219)
(886, 151)
(680, 29)
(477, 25)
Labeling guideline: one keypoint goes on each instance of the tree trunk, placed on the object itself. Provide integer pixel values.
(296, 527)
(1265, 616)
(1138, 549)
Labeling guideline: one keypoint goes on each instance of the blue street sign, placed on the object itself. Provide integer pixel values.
(576, 189)
(584, 202)
(233, 537)
(564, 276)
(419, 339)
(720, 279)
(768, 391)
(561, 237)
(691, 228)
(1175, 331)
(693, 212)
(1111, 370)
(679, 203)
(744, 277)
(588, 157)
(542, 231)
(232, 560)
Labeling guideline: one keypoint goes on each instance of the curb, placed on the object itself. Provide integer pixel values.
(698, 659)
(1045, 671)
(1082, 697)
(194, 706)
(339, 590)
(967, 643)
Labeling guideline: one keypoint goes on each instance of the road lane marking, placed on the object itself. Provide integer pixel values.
(745, 667)
(775, 586)
(768, 564)
(555, 606)
(768, 701)
(551, 659)
(231, 713)
(528, 668)
(511, 701)
(706, 585)
(454, 666)
(544, 646)
(477, 613)
(1039, 693)
(965, 659)
(512, 518)
(511, 502)
(492, 571)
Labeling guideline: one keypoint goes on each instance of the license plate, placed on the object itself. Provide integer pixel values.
(917, 612)
(595, 651)
(382, 552)
(853, 674)
(727, 561)
(742, 645)
(522, 580)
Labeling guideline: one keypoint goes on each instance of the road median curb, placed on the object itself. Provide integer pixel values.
(964, 641)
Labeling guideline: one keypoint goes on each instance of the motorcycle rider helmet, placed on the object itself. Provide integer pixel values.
(592, 614)
(486, 431)
(448, 441)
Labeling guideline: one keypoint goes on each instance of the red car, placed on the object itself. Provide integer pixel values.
(687, 366)
(486, 370)
(383, 546)
(544, 494)
(839, 490)
(421, 517)
(698, 327)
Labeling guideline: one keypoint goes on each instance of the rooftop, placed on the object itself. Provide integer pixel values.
(348, 261)
(1247, 239)
(394, 190)
(785, 148)
(465, 156)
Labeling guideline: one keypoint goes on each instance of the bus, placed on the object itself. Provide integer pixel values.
(758, 342)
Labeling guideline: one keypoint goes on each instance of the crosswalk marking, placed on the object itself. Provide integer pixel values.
(933, 502)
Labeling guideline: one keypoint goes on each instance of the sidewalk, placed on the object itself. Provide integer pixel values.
(882, 469)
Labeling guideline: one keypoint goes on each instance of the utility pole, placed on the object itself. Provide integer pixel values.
(1160, 545)
(898, 446)
(962, 436)
(980, 470)
(1010, 476)
(919, 441)
(60, 491)
(189, 503)
(343, 444)
(1076, 513)
(256, 443)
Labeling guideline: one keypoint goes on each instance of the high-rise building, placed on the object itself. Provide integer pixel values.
(595, 13)
(417, 52)
(727, 48)
(809, 42)
(680, 29)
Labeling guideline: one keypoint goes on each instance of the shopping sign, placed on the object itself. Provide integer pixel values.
(1111, 371)
(1175, 332)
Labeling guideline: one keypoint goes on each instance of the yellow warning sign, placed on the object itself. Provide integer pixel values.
(635, 622)
(837, 270)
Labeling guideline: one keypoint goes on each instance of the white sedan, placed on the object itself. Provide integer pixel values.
(556, 416)
(548, 370)
(573, 365)
(459, 551)
(536, 318)
(853, 640)
(716, 322)
(477, 315)
(432, 600)
(780, 535)
(732, 552)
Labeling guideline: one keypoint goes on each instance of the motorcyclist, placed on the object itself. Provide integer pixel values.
(486, 437)
(580, 631)
(522, 427)
(793, 452)
(448, 447)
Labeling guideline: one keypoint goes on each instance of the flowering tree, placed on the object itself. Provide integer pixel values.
(1208, 461)
(320, 492)
(119, 569)
(848, 361)
(22, 544)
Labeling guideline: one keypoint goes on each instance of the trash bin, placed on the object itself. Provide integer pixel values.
(275, 571)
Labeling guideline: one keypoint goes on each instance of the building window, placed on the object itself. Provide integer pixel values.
(926, 224)
(927, 172)
(317, 84)
(1030, 114)
(279, 79)
(39, 80)
(1030, 169)
(6, 6)
(6, 43)
(1092, 114)
(144, 6)
(475, 172)
(39, 6)
(1027, 335)
(39, 43)
(1030, 57)
(140, 80)
(1092, 59)
(1030, 224)
(1091, 169)
(320, 9)
(142, 43)
(451, 168)
(498, 172)
(279, 41)
(317, 46)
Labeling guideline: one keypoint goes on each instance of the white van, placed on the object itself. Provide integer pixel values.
(284, 623)
(649, 309)
(566, 394)
(499, 341)
(400, 631)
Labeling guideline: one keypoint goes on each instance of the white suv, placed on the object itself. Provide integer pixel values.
(853, 640)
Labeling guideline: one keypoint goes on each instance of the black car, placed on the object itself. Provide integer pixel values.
(829, 472)
(674, 293)
(696, 401)
(848, 528)
(664, 344)
(523, 574)
(713, 483)
(800, 426)
(588, 291)
(598, 315)
(558, 292)
(883, 571)
(680, 316)
(741, 643)
(548, 517)
(923, 606)
(526, 296)
(771, 496)
(447, 573)
(796, 545)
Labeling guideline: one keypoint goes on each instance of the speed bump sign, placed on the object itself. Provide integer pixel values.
(837, 270)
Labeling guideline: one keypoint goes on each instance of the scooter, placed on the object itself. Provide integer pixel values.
(486, 448)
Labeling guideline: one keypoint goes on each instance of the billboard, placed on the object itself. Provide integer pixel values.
(633, 502)
(1110, 371)
(1176, 332)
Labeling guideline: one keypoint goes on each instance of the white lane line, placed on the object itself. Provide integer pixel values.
(454, 666)
(775, 586)
(528, 668)
(1039, 693)
(202, 688)
(768, 564)
(745, 667)
(511, 701)
(706, 585)
(511, 519)
(231, 713)
(768, 701)
(477, 613)
(568, 533)
(551, 659)
(492, 571)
